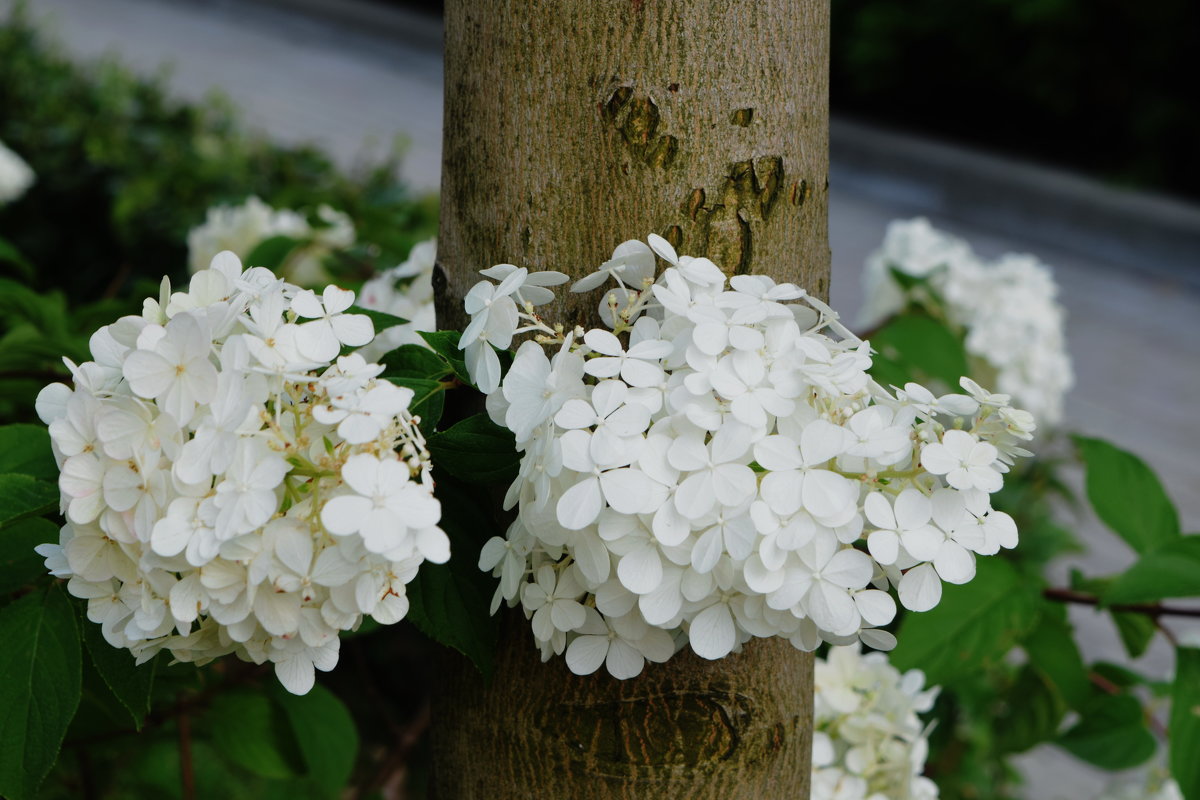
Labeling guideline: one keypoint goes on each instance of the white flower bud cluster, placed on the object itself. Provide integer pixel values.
(231, 484)
(404, 291)
(868, 743)
(241, 228)
(15, 175)
(1006, 309)
(719, 465)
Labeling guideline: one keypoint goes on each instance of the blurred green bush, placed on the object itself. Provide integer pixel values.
(1097, 85)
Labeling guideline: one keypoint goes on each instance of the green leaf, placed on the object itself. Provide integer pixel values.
(1184, 730)
(428, 400)
(130, 684)
(450, 602)
(10, 255)
(1035, 708)
(1136, 631)
(1127, 495)
(380, 319)
(975, 624)
(1111, 734)
(326, 734)
(1172, 570)
(25, 449)
(252, 731)
(918, 347)
(414, 361)
(19, 564)
(40, 680)
(24, 496)
(271, 253)
(1051, 648)
(445, 344)
(1118, 675)
(476, 450)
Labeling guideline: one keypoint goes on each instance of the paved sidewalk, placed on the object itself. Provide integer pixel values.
(1132, 333)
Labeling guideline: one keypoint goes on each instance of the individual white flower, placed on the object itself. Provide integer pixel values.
(15, 175)
(330, 328)
(622, 644)
(966, 462)
(175, 370)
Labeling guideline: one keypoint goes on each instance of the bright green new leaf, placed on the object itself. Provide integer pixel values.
(975, 624)
(326, 734)
(414, 361)
(271, 253)
(129, 683)
(917, 347)
(1184, 731)
(1172, 570)
(1127, 495)
(252, 731)
(24, 496)
(450, 602)
(25, 449)
(476, 450)
(40, 680)
(19, 564)
(1111, 734)
(380, 319)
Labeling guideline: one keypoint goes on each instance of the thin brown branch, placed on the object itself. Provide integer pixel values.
(1155, 610)
(1108, 687)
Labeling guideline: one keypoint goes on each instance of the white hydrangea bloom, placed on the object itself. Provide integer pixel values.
(719, 465)
(241, 228)
(405, 291)
(15, 175)
(231, 484)
(1006, 310)
(1156, 787)
(868, 742)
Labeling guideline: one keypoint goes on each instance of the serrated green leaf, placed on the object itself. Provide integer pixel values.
(445, 344)
(24, 496)
(40, 682)
(25, 450)
(19, 564)
(1111, 733)
(1135, 630)
(326, 734)
(130, 684)
(380, 319)
(476, 450)
(428, 400)
(1184, 731)
(450, 602)
(252, 731)
(271, 253)
(414, 361)
(1171, 570)
(1127, 495)
(917, 347)
(975, 624)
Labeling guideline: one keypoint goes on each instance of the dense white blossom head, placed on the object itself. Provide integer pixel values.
(716, 464)
(232, 483)
(15, 175)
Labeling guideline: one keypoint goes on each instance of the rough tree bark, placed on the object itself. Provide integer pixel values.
(571, 126)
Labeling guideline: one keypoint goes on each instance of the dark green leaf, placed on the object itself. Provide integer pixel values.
(450, 602)
(271, 253)
(427, 402)
(40, 681)
(19, 564)
(253, 732)
(476, 450)
(445, 344)
(381, 320)
(1035, 708)
(11, 256)
(1111, 734)
(1172, 570)
(23, 496)
(1184, 731)
(25, 449)
(130, 684)
(1136, 631)
(414, 361)
(1117, 675)
(1127, 495)
(326, 734)
(1051, 647)
(975, 624)
(918, 347)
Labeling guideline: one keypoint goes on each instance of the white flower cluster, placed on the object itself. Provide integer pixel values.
(868, 743)
(15, 175)
(718, 465)
(1156, 787)
(1006, 309)
(240, 229)
(405, 291)
(231, 484)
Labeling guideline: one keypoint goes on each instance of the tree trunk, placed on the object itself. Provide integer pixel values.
(571, 126)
